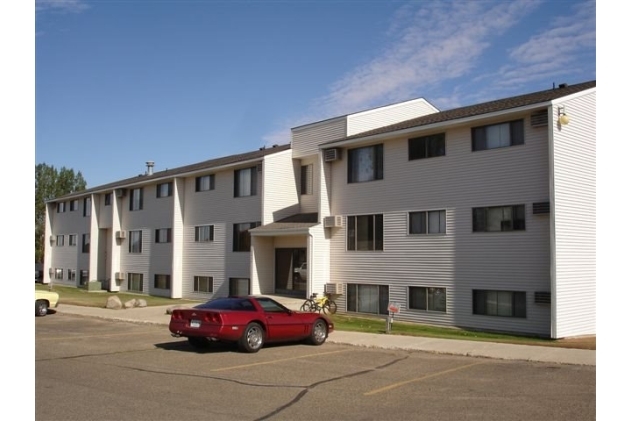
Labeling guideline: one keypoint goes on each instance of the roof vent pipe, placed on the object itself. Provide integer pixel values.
(149, 168)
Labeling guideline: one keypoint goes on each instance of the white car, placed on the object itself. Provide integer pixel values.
(45, 300)
(302, 271)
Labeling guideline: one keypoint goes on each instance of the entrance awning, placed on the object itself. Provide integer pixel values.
(292, 225)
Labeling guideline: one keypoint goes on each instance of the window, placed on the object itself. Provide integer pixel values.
(108, 199)
(162, 281)
(365, 164)
(241, 236)
(428, 222)
(306, 179)
(135, 241)
(245, 181)
(364, 232)
(60, 241)
(499, 218)
(270, 306)
(84, 276)
(431, 299)
(205, 183)
(203, 284)
(367, 298)
(426, 146)
(499, 303)
(134, 282)
(72, 239)
(74, 205)
(164, 190)
(72, 274)
(497, 135)
(87, 206)
(136, 200)
(59, 274)
(204, 233)
(85, 243)
(61, 207)
(163, 235)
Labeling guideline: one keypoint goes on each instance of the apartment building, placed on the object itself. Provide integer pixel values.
(479, 217)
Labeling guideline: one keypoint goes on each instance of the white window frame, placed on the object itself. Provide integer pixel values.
(204, 233)
(245, 182)
(205, 183)
(435, 299)
(203, 281)
(432, 222)
(135, 242)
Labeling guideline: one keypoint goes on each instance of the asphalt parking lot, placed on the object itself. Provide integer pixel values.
(104, 370)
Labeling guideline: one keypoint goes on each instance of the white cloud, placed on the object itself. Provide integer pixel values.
(556, 50)
(428, 43)
(443, 49)
(68, 6)
(434, 43)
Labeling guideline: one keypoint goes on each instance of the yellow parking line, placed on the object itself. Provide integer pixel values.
(418, 379)
(236, 367)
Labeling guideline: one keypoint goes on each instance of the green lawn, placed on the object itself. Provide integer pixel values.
(343, 322)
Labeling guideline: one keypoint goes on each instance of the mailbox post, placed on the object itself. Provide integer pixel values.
(393, 308)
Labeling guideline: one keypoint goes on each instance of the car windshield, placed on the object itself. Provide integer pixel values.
(242, 304)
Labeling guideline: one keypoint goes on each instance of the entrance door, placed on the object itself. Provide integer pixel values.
(291, 271)
(239, 287)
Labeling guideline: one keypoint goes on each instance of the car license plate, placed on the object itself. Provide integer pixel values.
(195, 323)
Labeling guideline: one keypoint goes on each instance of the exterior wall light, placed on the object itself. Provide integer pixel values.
(564, 119)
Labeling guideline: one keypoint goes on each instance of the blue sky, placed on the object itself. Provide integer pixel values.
(118, 83)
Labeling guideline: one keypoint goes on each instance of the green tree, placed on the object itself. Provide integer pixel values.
(49, 184)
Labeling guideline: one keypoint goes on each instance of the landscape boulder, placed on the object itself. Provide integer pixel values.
(114, 303)
(135, 302)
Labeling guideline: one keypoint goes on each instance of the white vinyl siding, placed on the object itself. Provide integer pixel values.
(306, 139)
(66, 257)
(459, 260)
(384, 116)
(574, 219)
(219, 208)
(155, 258)
(280, 197)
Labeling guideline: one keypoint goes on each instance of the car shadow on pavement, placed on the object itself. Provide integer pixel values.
(184, 346)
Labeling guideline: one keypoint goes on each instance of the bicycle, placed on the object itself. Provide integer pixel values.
(325, 304)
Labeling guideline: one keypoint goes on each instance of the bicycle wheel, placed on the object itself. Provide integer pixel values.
(330, 307)
(308, 305)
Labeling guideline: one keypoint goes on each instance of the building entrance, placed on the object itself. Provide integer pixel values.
(291, 271)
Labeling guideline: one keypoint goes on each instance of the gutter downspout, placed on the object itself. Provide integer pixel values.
(309, 263)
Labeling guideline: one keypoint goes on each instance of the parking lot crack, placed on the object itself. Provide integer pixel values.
(300, 395)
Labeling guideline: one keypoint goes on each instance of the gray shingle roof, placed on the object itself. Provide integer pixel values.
(209, 165)
(477, 109)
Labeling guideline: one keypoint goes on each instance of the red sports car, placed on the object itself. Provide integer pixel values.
(248, 321)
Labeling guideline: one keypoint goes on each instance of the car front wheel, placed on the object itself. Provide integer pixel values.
(41, 308)
(318, 332)
(252, 338)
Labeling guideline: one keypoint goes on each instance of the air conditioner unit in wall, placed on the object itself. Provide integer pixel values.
(334, 288)
(332, 221)
(120, 276)
(539, 119)
(121, 192)
(332, 154)
(121, 234)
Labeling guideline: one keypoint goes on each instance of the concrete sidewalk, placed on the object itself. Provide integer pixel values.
(160, 315)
